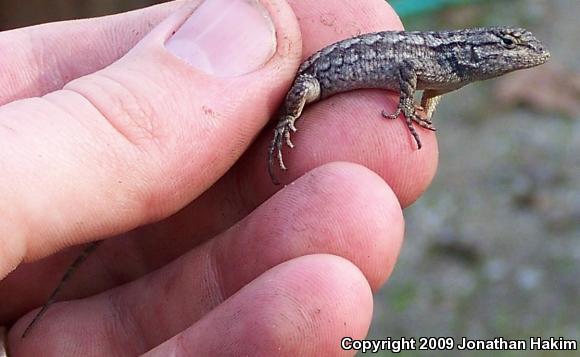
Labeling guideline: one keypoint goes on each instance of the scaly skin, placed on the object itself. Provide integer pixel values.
(405, 61)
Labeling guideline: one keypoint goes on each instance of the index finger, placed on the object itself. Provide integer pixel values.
(346, 127)
(349, 126)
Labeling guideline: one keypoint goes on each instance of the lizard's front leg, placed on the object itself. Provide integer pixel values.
(429, 101)
(407, 78)
(306, 89)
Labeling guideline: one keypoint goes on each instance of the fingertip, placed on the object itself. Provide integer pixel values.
(291, 309)
(208, 35)
(218, 28)
(339, 208)
(371, 219)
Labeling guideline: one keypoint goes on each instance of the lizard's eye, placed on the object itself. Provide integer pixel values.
(508, 42)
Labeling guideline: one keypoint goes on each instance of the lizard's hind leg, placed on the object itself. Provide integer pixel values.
(69, 272)
(306, 89)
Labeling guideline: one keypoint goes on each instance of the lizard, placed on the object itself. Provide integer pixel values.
(404, 61)
(436, 62)
(66, 276)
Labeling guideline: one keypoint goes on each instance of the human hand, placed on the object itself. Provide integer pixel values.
(135, 142)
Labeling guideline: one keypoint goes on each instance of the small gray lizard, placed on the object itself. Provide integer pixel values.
(436, 62)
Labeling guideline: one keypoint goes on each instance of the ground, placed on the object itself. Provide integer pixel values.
(493, 248)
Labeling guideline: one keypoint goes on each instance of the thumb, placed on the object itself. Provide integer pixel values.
(135, 142)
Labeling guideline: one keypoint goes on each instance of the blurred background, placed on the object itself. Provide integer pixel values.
(493, 248)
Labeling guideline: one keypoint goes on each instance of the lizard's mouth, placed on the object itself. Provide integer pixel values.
(542, 58)
(537, 59)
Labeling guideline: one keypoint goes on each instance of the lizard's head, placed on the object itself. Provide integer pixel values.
(500, 50)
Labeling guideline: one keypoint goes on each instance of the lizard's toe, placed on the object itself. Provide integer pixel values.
(394, 115)
(423, 122)
(281, 161)
(287, 139)
(279, 142)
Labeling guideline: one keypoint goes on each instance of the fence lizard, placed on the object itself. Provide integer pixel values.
(435, 62)
(405, 61)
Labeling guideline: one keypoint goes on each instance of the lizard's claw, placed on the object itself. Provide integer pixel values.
(287, 139)
(415, 115)
(281, 135)
(395, 115)
(420, 116)
(423, 122)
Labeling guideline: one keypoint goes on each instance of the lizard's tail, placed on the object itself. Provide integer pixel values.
(69, 272)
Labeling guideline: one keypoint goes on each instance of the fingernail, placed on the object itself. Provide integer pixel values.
(225, 37)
